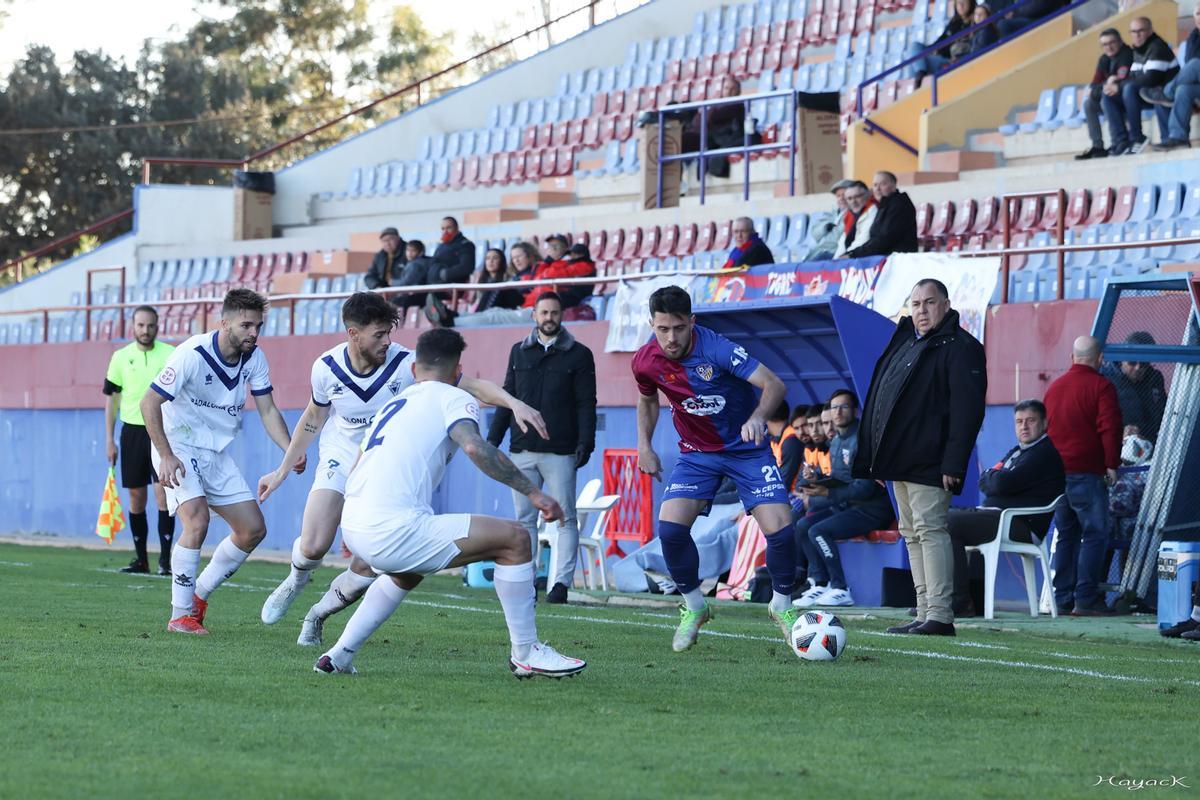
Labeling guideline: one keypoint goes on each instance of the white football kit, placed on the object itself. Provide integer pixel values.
(354, 399)
(388, 520)
(204, 415)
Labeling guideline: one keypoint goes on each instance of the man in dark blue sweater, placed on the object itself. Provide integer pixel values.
(855, 507)
(1031, 474)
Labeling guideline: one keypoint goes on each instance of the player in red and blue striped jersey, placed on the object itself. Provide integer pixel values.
(709, 382)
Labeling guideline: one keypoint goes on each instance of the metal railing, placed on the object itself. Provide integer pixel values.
(206, 305)
(418, 88)
(1060, 229)
(744, 149)
(873, 127)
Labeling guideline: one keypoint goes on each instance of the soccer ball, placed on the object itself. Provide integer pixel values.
(818, 636)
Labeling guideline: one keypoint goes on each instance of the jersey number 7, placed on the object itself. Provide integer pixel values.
(387, 414)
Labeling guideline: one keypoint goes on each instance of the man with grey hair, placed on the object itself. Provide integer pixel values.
(894, 229)
(1085, 426)
(749, 250)
(860, 216)
(918, 427)
(826, 234)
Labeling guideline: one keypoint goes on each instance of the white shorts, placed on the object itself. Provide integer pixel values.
(211, 475)
(337, 457)
(419, 542)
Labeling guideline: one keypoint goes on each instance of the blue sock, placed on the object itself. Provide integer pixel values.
(681, 555)
(781, 560)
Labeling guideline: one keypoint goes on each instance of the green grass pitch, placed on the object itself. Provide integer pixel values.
(98, 700)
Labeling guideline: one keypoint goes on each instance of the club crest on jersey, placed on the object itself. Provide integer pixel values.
(394, 387)
(208, 380)
(337, 390)
(705, 371)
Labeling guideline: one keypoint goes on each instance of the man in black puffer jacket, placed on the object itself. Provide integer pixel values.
(454, 257)
(895, 227)
(1153, 66)
(555, 374)
(923, 412)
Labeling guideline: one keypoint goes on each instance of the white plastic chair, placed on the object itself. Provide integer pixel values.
(591, 543)
(1029, 553)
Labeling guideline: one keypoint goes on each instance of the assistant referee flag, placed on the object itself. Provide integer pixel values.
(112, 517)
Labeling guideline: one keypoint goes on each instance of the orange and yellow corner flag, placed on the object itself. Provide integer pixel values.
(112, 517)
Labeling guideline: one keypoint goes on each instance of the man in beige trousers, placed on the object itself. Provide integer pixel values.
(918, 428)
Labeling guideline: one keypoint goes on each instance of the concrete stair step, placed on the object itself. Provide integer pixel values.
(960, 160)
(492, 216)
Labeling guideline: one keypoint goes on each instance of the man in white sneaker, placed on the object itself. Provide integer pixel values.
(856, 507)
(388, 519)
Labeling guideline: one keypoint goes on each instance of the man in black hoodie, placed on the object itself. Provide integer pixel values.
(918, 427)
(454, 257)
(1153, 66)
(895, 227)
(1030, 475)
(556, 375)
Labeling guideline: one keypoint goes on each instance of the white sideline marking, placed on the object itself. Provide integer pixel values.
(14, 564)
(1088, 673)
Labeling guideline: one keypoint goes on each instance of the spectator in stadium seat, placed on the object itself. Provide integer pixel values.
(556, 247)
(1085, 426)
(1029, 475)
(556, 375)
(894, 229)
(749, 250)
(497, 270)
(964, 11)
(816, 455)
(454, 256)
(1028, 15)
(523, 257)
(860, 216)
(828, 231)
(1182, 93)
(387, 266)
(576, 263)
(726, 128)
(419, 270)
(923, 412)
(1153, 66)
(1112, 70)
(854, 507)
(986, 36)
(1141, 391)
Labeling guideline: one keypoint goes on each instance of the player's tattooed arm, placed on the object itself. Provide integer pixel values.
(491, 461)
(488, 392)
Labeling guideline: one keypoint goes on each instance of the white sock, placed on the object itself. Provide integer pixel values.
(780, 602)
(514, 587)
(345, 589)
(378, 604)
(225, 561)
(1196, 613)
(302, 567)
(185, 563)
(694, 599)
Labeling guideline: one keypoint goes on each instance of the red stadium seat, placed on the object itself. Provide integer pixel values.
(616, 102)
(545, 134)
(724, 235)
(1123, 204)
(300, 262)
(688, 70)
(529, 139)
(564, 162)
(754, 65)
(560, 133)
(812, 28)
(533, 165)
(1077, 207)
(624, 128)
(704, 66)
(1049, 217)
(471, 172)
(239, 269)
(615, 239)
(745, 39)
(600, 103)
(547, 163)
(668, 242)
(924, 217)
(591, 132)
(687, 240)
(650, 241)
(674, 70)
(646, 97)
(791, 55)
(1029, 216)
(964, 218)
(1103, 202)
(943, 218)
(458, 171)
(706, 234)
(721, 64)
(739, 64)
(773, 58)
(987, 219)
(487, 169)
(516, 167)
(595, 243)
(632, 243)
(760, 36)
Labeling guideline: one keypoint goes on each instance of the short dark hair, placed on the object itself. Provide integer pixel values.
(825, 407)
(671, 300)
(935, 283)
(418, 244)
(557, 237)
(549, 296)
(815, 410)
(846, 393)
(1111, 32)
(780, 414)
(440, 348)
(450, 219)
(147, 309)
(1036, 406)
(367, 308)
(242, 299)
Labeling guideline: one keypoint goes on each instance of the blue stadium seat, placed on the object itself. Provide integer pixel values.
(1097, 276)
(354, 184)
(1066, 107)
(1113, 234)
(508, 116)
(1022, 286)
(453, 144)
(1084, 258)
(1170, 200)
(624, 77)
(1145, 203)
(779, 232)
(149, 274)
(1047, 283)
(399, 173)
(711, 44)
(608, 79)
(1077, 280)
(592, 84)
(629, 161)
(1191, 201)
(797, 230)
(1038, 261)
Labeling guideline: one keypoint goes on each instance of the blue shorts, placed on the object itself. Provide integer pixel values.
(697, 475)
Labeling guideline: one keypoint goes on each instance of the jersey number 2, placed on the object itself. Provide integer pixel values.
(388, 413)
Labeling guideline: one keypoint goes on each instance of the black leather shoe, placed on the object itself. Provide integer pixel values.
(1096, 610)
(906, 627)
(137, 568)
(557, 594)
(934, 628)
(1179, 629)
(1092, 152)
(1191, 636)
